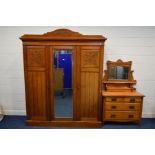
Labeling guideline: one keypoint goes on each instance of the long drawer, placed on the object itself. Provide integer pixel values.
(120, 115)
(122, 106)
(124, 99)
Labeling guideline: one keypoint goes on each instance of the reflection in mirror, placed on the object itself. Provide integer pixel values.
(63, 99)
(118, 73)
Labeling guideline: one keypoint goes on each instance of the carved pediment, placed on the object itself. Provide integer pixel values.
(62, 33)
(119, 62)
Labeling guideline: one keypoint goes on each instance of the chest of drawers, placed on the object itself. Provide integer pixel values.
(118, 108)
(121, 101)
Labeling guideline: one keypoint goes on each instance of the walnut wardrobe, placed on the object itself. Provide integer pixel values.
(63, 78)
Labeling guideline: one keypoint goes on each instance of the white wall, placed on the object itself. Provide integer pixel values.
(126, 43)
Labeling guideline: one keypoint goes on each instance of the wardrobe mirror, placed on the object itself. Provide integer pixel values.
(63, 92)
(118, 73)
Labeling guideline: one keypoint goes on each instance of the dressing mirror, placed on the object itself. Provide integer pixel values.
(118, 73)
(119, 70)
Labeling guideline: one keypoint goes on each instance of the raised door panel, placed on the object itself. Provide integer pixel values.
(36, 95)
(35, 56)
(89, 82)
(89, 59)
(89, 95)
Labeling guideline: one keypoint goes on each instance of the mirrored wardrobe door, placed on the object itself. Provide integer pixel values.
(63, 82)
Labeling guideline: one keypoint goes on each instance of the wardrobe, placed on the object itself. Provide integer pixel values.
(63, 78)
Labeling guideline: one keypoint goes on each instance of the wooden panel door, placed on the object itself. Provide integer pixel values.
(89, 82)
(36, 82)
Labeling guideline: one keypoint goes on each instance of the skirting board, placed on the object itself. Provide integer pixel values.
(147, 115)
(23, 112)
(15, 112)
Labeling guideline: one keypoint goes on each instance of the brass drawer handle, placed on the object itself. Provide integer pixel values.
(113, 99)
(131, 116)
(113, 116)
(132, 107)
(132, 100)
(113, 107)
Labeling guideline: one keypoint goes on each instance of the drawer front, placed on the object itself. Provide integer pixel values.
(124, 99)
(122, 106)
(110, 115)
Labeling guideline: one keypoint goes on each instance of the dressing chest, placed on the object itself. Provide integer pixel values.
(121, 101)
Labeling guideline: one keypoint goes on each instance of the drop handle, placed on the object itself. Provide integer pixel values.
(132, 100)
(113, 107)
(113, 99)
(113, 116)
(131, 116)
(132, 107)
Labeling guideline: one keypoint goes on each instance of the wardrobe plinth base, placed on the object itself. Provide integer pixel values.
(95, 124)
